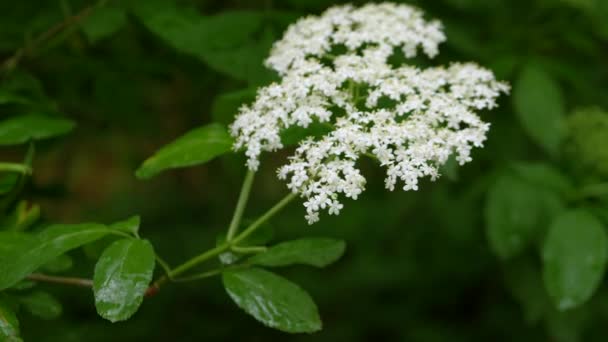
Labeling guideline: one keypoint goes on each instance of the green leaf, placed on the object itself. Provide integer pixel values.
(516, 214)
(195, 147)
(539, 105)
(42, 304)
(272, 300)
(261, 236)
(318, 252)
(7, 97)
(226, 106)
(8, 182)
(24, 285)
(587, 130)
(22, 128)
(568, 326)
(129, 226)
(22, 216)
(232, 42)
(104, 22)
(122, 276)
(544, 175)
(9, 325)
(525, 283)
(574, 255)
(21, 254)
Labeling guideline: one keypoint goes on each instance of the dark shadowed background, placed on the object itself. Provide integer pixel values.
(134, 75)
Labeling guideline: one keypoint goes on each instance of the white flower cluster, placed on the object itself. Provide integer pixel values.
(335, 70)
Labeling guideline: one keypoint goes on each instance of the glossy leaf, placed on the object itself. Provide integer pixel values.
(195, 147)
(272, 300)
(22, 128)
(539, 105)
(122, 276)
(574, 255)
(261, 236)
(516, 214)
(318, 252)
(42, 304)
(21, 254)
(9, 325)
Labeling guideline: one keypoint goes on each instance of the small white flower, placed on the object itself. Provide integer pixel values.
(335, 70)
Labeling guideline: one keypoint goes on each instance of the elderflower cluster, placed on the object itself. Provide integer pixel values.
(335, 70)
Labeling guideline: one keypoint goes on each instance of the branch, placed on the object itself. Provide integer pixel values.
(12, 62)
(81, 282)
(40, 277)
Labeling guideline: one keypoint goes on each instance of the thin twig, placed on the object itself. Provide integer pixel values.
(40, 277)
(81, 282)
(12, 62)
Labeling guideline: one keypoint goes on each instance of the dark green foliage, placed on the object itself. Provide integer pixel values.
(509, 247)
(122, 276)
(273, 300)
(23, 253)
(574, 258)
(316, 252)
(588, 134)
(195, 147)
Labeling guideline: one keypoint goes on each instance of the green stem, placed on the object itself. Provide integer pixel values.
(262, 219)
(12, 62)
(193, 262)
(163, 264)
(199, 276)
(208, 274)
(82, 282)
(39, 277)
(248, 249)
(15, 167)
(199, 259)
(240, 205)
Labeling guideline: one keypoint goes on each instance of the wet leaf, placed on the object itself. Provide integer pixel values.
(318, 252)
(21, 254)
(122, 276)
(273, 300)
(195, 147)
(574, 255)
(9, 325)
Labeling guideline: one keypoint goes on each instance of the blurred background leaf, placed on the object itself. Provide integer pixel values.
(421, 266)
